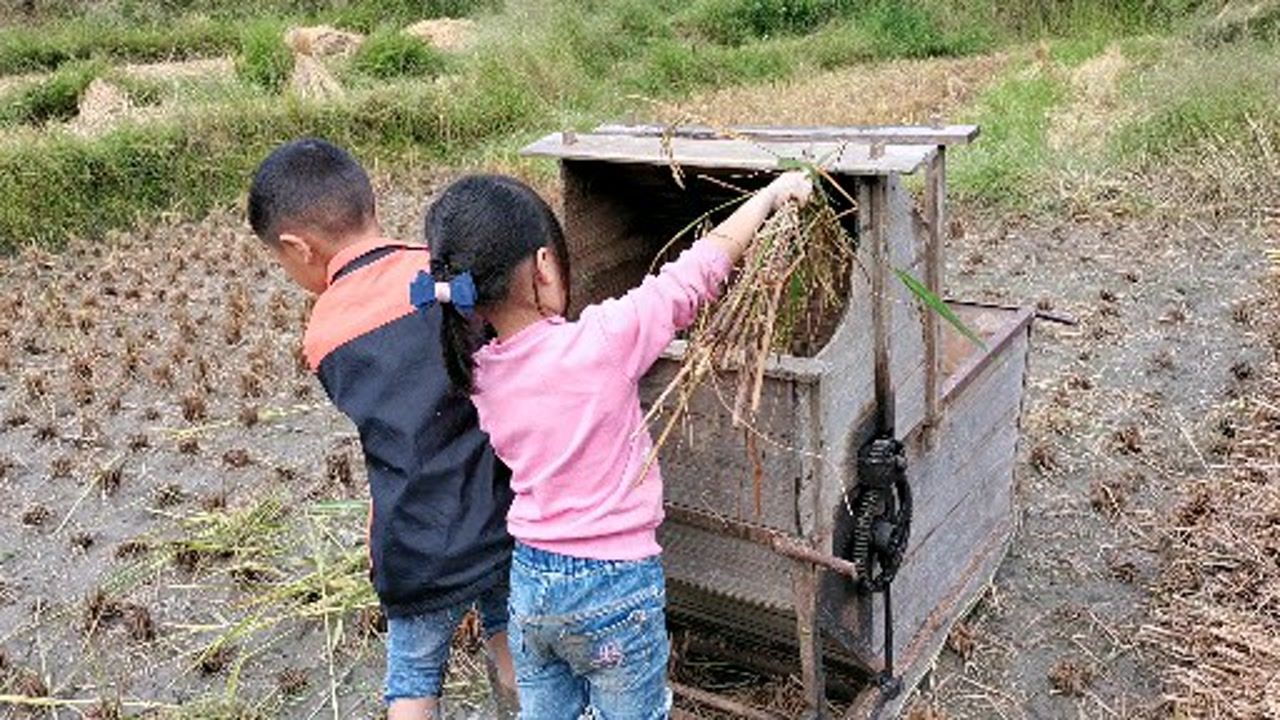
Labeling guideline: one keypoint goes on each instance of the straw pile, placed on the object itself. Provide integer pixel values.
(1217, 605)
(312, 80)
(322, 41)
(794, 273)
(101, 106)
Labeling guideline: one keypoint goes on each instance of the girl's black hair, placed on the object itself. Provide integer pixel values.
(486, 225)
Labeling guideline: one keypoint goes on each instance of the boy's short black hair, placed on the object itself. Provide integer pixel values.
(309, 184)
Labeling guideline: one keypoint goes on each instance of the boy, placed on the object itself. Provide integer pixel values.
(437, 533)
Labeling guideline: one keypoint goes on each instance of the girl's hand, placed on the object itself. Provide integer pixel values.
(735, 233)
(793, 185)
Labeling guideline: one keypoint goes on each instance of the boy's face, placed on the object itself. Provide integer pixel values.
(304, 259)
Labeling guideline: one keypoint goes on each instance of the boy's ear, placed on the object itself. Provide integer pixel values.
(299, 247)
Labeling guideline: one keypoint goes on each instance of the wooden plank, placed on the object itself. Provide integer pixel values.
(964, 490)
(974, 366)
(837, 157)
(917, 660)
(968, 471)
(707, 465)
(847, 391)
(801, 370)
(937, 566)
(888, 134)
(986, 422)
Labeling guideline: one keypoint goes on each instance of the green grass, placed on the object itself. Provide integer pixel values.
(393, 54)
(1005, 167)
(552, 64)
(142, 92)
(58, 186)
(1188, 129)
(364, 15)
(736, 21)
(264, 60)
(53, 98)
(45, 47)
(918, 28)
(1035, 19)
(1199, 97)
(368, 16)
(141, 31)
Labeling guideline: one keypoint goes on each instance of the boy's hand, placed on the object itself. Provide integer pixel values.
(793, 185)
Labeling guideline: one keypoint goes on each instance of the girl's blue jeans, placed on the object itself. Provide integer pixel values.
(589, 637)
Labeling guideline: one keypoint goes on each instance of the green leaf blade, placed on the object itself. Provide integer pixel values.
(939, 306)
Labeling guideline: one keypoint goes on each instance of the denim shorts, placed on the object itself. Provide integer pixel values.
(589, 637)
(418, 645)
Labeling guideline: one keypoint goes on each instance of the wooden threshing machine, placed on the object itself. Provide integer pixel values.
(874, 500)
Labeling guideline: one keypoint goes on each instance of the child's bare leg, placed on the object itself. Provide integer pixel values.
(502, 675)
(415, 709)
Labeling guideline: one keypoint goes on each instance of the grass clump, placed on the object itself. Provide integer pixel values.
(54, 98)
(264, 61)
(46, 47)
(139, 31)
(675, 68)
(1007, 166)
(1039, 19)
(733, 22)
(367, 16)
(1203, 128)
(1202, 96)
(202, 159)
(905, 30)
(142, 92)
(254, 534)
(364, 15)
(851, 30)
(392, 54)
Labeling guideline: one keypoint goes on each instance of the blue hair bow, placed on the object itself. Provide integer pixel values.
(460, 291)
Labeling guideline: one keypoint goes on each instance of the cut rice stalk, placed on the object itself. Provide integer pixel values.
(796, 269)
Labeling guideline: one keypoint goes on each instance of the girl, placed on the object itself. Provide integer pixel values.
(560, 402)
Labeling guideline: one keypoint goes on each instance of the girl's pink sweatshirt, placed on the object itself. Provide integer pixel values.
(561, 405)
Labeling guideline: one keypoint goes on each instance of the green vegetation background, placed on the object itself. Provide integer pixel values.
(547, 65)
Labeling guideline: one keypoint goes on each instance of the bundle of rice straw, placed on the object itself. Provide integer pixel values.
(794, 273)
(312, 80)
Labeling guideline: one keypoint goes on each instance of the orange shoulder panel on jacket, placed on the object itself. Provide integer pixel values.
(362, 301)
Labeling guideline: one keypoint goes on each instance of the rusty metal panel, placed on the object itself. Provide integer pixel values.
(734, 569)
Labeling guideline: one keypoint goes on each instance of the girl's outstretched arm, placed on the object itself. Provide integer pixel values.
(735, 233)
(637, 327)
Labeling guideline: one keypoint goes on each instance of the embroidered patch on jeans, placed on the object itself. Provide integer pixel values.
(607, 655)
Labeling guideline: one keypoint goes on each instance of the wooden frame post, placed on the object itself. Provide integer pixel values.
(804, 583)
(881, 310)
(935, 202)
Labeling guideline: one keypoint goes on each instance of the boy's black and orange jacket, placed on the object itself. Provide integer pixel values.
(437, 530)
